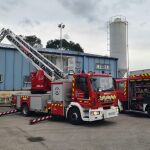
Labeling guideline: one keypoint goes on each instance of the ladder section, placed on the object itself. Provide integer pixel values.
(58, 74)
(39, 64)
(2, 34)
(30, 56)
(37, 59)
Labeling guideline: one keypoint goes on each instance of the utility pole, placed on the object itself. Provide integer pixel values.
(61, 26)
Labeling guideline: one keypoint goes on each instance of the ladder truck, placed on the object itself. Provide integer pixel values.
(83, 97)
(134, 93)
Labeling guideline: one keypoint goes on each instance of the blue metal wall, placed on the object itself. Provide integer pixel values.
(90, 65)
(14, 67)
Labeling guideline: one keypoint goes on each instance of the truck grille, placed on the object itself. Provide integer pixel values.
(107, 105)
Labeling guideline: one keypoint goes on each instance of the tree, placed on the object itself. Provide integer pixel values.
(33, 40)
(70, 46)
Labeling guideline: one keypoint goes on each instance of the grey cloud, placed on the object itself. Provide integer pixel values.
(91, 10)
(66, 36)
(8, 5)
(118, 5)
(36, 22)
(136, 2)
(96, 10)
(82, 8)
(142, 24)
(4, 8)
(29, 22)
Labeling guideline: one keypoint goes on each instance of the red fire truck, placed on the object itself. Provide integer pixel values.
(81, 97)
(134, 93)
(85, 97)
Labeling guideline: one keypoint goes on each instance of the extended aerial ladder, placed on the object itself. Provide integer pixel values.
(51, 71)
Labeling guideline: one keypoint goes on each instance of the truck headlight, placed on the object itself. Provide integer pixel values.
(94, 113)
(117, 110)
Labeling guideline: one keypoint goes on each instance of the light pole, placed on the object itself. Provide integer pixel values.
(61, 26)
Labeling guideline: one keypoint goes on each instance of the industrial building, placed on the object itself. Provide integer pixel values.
(15, 69)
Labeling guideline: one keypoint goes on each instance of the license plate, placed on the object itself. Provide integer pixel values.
(111, 113)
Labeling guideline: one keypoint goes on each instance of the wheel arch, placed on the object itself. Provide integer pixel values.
(76, 106)
(25, 109)
(147, 106)
(24, 103)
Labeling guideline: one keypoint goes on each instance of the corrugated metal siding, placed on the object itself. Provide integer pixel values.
(107, 62)
(26, 68)
(96, 61)
(18, 60)
(14, 67)
(91, 64)
(9, 70)
(86, 64)
(102, 61)
(113, 67)
(2, 67)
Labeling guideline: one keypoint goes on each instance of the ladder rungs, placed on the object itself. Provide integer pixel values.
(38, 60)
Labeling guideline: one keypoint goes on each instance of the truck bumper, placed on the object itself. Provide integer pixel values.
(100, 114)
(113, 112)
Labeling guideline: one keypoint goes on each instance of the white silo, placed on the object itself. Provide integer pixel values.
(118, 32)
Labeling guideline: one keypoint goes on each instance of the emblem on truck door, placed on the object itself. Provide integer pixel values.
(107, 98)
(57, 90)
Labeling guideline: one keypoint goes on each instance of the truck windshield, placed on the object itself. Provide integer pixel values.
(102, 83)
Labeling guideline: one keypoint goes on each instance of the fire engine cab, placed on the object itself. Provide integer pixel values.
(134, 93)
(87, 97)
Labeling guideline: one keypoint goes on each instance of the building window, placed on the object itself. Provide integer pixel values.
(1, 78)
(102, 67)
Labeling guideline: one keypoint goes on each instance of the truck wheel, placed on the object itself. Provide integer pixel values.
(148, 111)
(25, 110)
(74, 116)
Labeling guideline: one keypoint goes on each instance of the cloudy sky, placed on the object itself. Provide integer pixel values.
(86, 23)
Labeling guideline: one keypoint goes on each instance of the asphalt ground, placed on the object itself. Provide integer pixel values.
(130, 131)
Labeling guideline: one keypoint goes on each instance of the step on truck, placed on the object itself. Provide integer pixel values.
(81, 97)
(134, 93)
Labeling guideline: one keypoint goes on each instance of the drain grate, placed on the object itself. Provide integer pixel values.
(35, 139)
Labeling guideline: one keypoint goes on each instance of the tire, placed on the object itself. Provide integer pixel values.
(25, 110)
(74, 116)
(148, 111)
